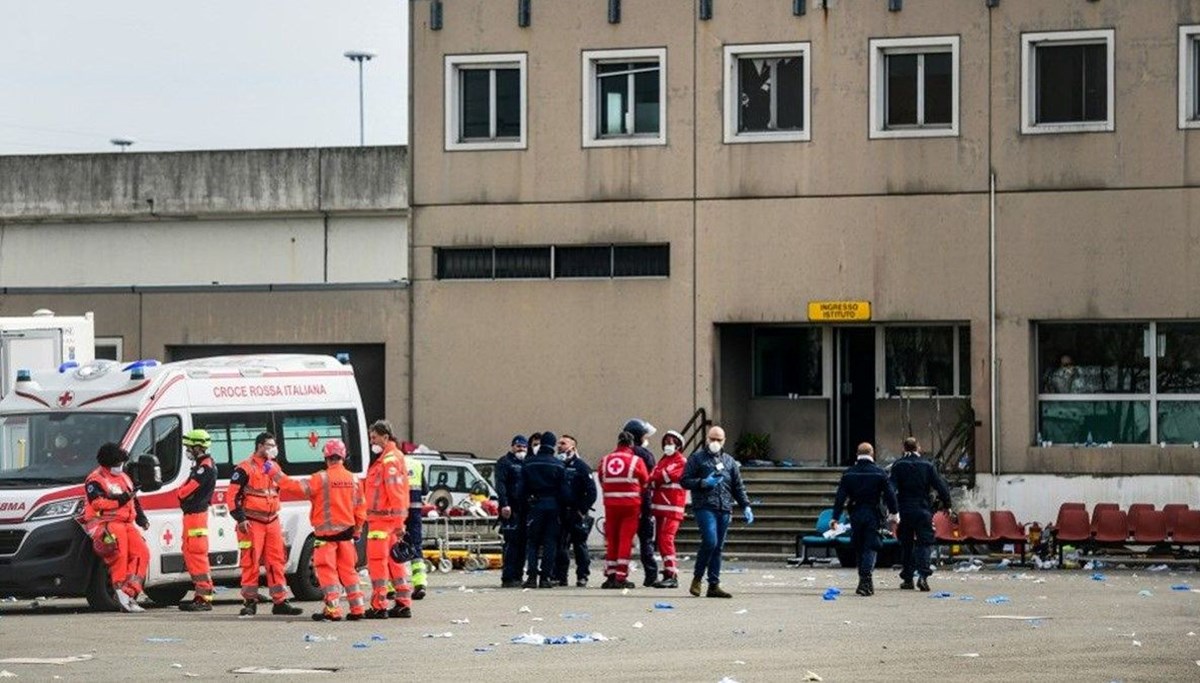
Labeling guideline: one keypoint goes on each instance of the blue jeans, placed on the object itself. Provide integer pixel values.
(714, 524)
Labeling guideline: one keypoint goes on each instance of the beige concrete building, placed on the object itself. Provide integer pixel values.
(190, 254)
(628, 208)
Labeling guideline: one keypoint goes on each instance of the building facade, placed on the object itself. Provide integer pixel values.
(826, 221)
(192, 254)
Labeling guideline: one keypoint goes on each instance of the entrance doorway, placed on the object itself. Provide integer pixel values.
(854, 386)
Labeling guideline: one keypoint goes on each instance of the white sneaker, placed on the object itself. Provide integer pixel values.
(128, 604)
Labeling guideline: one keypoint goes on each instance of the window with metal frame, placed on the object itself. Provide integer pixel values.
(1067, 80)
(1189, 76)
(767, 92)
(935, 356)
(233, 436)
(485, 101)
(624, 97)
(303, 434)
(788, 362)
(914, 87)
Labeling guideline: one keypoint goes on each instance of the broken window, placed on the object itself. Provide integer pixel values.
(770, 94)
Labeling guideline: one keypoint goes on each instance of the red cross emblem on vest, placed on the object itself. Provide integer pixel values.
(65, 398)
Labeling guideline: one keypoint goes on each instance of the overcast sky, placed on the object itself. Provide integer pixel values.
(198, 74)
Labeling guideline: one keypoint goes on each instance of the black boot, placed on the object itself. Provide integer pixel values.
(249, 608)
(906, 584)
(285, 609)
(864, 587)
(667, 582)
(399, 612)
(923, 584)
(650, 580)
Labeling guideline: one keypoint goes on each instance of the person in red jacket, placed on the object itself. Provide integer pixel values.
(623, 477)
(668, 498)
(108, 517)
(337, 516)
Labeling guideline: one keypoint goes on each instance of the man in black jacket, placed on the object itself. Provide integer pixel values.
(914, 478)
(715, 481)
(863, 487)
(512, 512)
(543, 487)
(576, 526)
(641, 431)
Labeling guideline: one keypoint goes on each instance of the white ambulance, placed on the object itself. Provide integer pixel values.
(53, 421)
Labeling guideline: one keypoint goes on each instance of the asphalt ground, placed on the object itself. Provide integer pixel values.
(1072, 625)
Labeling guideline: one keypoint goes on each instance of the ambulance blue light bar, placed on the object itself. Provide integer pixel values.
(67, 366)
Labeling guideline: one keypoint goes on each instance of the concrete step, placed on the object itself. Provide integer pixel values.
(824, 474)
(799, 486)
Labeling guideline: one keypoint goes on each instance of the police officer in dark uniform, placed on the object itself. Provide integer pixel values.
(863, 487)
(576, 522)
(512, 512)
(641, 431)
(543, 487)
(914, 478)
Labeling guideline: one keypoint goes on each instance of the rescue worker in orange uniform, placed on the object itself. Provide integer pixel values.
(194, 498)
(623, 478)
(109, 516)
(386, 491)
(337, 515)
(253, 500)
(667, 502)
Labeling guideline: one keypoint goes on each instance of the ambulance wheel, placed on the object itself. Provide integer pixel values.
(304, 582)
(445, 565)
(100, 594)
(168, 595)
(471, 564)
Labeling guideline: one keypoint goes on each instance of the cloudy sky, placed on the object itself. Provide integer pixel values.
(198, 74)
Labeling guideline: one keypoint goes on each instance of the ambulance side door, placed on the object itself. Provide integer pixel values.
(161, 437)
(233, 437)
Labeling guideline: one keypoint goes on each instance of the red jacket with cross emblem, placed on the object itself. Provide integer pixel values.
(623, 477)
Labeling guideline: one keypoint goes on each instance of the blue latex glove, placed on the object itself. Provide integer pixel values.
(748, 514)
(710, 481)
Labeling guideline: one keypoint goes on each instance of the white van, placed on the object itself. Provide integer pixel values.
(52, 423)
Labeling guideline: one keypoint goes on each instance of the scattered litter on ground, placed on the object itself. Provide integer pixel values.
(739, 631)
(176, 665)
(1012, 617)
(1093, 565)
(361, 646)
(1098, 577)
(281, 670)
(1044, 564)
(460, 621)
(998, 600)
(663, 606)
(1181, 587)
(831, 593)
(969, 566)
(969, 654)
(575, 615)
(481, 650)
(447, 634)
(1127, 635)
(537, 619)
(1145, 594)
(9, 674)
(1004, 564)
(734, 570)
(1191, 634)
(942, 594)
(310, 638)
(164, 640)
(378, 637)
(1137, 643)
(742, 611)
(966, 598)
(524, 610)
(768, 576)
(571, 639)
(727, 679)
(810, 676)
(738, 661)
(637, 624)
(46, 660)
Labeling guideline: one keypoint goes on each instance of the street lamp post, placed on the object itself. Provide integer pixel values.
(121, 143)
(360, 56)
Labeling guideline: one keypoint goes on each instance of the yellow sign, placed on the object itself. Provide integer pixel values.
(839, 311)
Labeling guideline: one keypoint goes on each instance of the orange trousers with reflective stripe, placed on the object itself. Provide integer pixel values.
(334, 563)
(262, 545)
(195, 552)
(127, 567)
(386, 574)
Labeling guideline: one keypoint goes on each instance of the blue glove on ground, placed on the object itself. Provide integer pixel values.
(748, 514)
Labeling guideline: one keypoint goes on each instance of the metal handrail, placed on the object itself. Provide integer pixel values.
(695, 428)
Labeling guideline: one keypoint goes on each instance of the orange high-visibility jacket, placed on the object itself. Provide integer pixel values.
(253, 491)
(104, 508)
(337, 501)
(386, 487)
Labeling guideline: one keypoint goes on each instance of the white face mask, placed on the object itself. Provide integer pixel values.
(715, 447)
(272, 452)
(669, 449)
(376, 448)
(562, 457)
(520, 455)
(645, 443)
(117, 469)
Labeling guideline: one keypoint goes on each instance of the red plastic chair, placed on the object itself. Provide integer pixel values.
(1136, 509)
(1112, 528)
(1101, 507)
(1150, 527)
(971, 526)
(1187, 528)
(945, 531)
(1172, 510)
(1072, 506)
(1072, 526)
(1005, 528)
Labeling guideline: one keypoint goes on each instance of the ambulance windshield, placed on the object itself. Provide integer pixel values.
(46, 449)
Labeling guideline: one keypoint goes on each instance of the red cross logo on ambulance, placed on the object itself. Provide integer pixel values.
(65, 399)
(167, 537)
(313, 439)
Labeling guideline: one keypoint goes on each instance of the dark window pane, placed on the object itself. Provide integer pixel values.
(1095, 82)
(1179, 366)
(964, 360)
(642, 261)
(474, 102)
(508, 103)
(1071, 422)
(612, 105)
(754, 95)
(1072, 83)
(464, 264)
(939, 89)
(787, 360)
(901, 90)
(920, 357)
(790, 99)
(1179, 421)
(582, 262)
(1087, 358)
(645, 99)
(1196, 79)
(522, 262)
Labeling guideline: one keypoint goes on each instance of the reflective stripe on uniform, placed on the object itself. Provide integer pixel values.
(622, 494)
(377, 535)
(245, 545)
(669, 486)
(667, 508)
(193, 533)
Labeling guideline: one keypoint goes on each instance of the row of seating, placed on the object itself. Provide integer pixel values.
(1175, 524)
